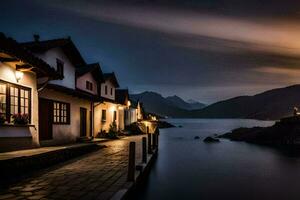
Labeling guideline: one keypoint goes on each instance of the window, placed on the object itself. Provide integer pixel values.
(111, 91)
(115, 116)
(3, 99)
(126, 113)
(61, 113)
(89, 85)
(60, 68)
(14, 99)
(103, 117)
(106, 89)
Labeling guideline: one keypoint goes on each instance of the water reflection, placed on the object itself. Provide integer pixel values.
(190, 169)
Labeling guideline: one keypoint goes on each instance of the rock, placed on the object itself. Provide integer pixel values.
(283, 132)
(164, 124)
(180, 126)
(211, 139)
(196, 137)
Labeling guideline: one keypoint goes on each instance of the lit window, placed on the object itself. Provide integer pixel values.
(3, 99)
(61, 113)
(14, 99)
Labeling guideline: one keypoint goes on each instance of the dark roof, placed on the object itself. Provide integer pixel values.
(66, 44)
(14, 50)
(103, 99)
(134, 103)
(76, 92)
(112, 77)
(94, 68)
(122, 96)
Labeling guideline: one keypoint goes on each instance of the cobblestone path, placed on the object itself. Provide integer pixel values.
(98, 175)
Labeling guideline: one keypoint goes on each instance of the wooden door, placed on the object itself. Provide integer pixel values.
(45, 119)
(83, 120)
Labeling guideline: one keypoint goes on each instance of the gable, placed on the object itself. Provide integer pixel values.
(51, 57)
(81, 83)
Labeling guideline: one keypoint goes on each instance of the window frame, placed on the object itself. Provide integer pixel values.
(103, 115)
(8, 100)
(114, 116)
(68, 113)
(105, 88)
(89, 85)
(111, 91)
(60, 68)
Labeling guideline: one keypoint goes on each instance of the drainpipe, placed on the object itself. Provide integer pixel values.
(44, 85)
(92, 119)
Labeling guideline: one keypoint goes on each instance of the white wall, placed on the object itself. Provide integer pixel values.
(109, 85)
(50, 57)
(81, 83)
(98, 123)
(69, 132)
(121, 121)
(7, 73)
(132, 116)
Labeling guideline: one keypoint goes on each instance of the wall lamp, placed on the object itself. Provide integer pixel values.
(19, 75)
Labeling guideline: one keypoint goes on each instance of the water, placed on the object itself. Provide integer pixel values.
(190, 169)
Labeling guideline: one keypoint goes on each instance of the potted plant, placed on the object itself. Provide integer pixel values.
(21, 119)
(2, 119)
(113, 132)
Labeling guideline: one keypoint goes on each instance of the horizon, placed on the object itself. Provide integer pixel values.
(208, 104)
(174, 47)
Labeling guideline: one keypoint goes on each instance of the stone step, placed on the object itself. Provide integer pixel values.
(16, 167)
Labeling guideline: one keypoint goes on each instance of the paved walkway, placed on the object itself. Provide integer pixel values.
(36, 151)
(98, 175)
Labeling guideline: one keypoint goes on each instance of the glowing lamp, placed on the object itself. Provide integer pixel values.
(19, 75)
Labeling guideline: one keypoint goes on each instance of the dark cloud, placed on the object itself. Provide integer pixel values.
(207, 50)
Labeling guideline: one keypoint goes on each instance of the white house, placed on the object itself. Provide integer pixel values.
(88, 80)
(49, 95)
(19, 71)
(122, 99)
(107, 111)
(65, 110)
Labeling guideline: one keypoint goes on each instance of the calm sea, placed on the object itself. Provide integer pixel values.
(190, 169)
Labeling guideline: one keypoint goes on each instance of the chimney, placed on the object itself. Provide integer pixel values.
(36, 37)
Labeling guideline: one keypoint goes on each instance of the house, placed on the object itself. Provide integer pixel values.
(49, 95)
(140, 111)
(88, 80)
(107, 111)
(19, 74)
(122, 99)
(65, 104)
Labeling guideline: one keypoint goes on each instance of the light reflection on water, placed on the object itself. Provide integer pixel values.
(190, 169)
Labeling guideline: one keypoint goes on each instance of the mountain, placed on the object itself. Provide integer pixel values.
(194, 105)
(272, 104)
(170, 106)
(180, 103)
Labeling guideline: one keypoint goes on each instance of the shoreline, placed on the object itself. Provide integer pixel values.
(283, 132)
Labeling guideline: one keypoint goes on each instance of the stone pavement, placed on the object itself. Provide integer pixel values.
(36, 151)
(97, 175)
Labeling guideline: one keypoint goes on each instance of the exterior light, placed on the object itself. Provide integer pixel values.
(19, 75)
(128, 103)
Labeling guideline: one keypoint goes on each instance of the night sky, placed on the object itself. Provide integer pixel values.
(206, 50)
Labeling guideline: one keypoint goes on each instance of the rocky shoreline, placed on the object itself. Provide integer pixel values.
(286, 131)
(164, 124)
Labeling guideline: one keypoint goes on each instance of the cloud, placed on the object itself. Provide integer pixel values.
(213, 55)
(271, 35)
